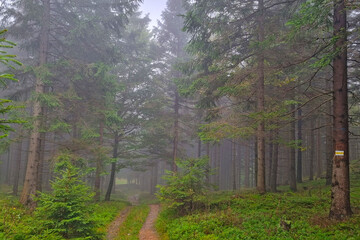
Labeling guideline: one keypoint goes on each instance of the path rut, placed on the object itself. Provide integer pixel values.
(148, 231)
(114, 227)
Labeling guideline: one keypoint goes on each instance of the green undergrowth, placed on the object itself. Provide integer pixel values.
(283, 215)
(106, 212)
(130, 229)
(18, 223)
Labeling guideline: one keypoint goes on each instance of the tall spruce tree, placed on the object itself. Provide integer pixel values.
(173, 40)
(340, 187)
(314, 15)
(128, 106)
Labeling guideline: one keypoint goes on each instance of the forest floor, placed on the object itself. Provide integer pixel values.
(248, 215)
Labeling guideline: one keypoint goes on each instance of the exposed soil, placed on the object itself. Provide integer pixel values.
(114, 227)
(148, 231)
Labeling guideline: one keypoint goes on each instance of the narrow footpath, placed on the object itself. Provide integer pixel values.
(114, 227)
(148, 231)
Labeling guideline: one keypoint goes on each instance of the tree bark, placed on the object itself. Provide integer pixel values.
(318, 150)
(299, 151)
(41, 161)
(312, 151)
(8, 166)
(208, 165)
(176, 131)
(271, 148)
(113, 168)
(261, 105)
(274, 166)
(254, 172)
(30, 183)
(97, 182)
(340, 187)
(217, 164)
(329, 142)
(238, 154)
(292, 165)
(233, 158)
(247, 167)
(17, 166)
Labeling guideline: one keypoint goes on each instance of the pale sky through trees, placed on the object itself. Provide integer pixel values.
(154, 8)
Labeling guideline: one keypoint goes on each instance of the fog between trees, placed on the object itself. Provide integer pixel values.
(267, 89)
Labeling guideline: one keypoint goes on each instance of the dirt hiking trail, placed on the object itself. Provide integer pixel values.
(148, 231)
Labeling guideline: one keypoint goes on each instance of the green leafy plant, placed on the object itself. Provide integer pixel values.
(67, 210)
(185, 189)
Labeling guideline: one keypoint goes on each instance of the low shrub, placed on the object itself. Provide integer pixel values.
(185, 190)
(66, 210)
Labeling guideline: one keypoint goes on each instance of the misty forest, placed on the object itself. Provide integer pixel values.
(226, 119)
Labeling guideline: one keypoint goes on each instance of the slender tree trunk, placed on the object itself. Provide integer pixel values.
(233, 157)
(312, 151)
(329, 142)
(329, 153)
(271, 147)
(254, 172)
(41, 161)
(176, 131)
(97, 183)
(30, 183)
(217, 164)
(247, 167)
(213, 163)
(318, 151)
(8, 166)
(254, 166)
(17, 166)
(208, 165)
(239, 151)
(292, 165)
(261, 105)
(299, 151)
(340, 187)
(274, 166)
(113, 168)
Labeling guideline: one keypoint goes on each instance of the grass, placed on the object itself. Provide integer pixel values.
(106, 212)
(130, 229)
(284, 215)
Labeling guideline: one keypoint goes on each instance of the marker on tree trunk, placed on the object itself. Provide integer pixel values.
(339, 153)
